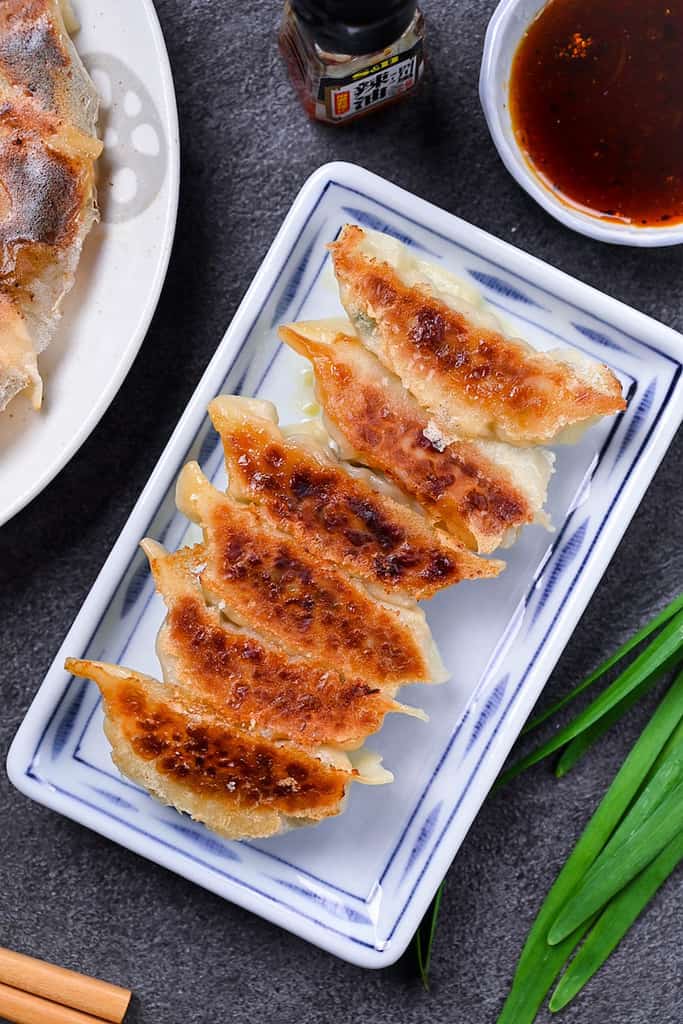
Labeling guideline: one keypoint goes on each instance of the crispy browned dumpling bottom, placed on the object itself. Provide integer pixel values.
(459, 487)
(187, 755)
(253, 683)
(48, 147)
(340, 517)
(473, 380)
(295, 598)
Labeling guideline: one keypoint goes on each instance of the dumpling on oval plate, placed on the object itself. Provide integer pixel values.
(48, 149)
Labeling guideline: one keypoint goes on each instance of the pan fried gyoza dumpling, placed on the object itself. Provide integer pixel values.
(183, 752)
(270, 583)
(48, 146)
(37, 57)
(18, 358)
(454, 358)
(341, 517)
(254, 684)
(481, 491)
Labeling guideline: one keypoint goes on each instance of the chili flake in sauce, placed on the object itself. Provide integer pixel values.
(596, 99)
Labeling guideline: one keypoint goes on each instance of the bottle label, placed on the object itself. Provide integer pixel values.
(372, 86)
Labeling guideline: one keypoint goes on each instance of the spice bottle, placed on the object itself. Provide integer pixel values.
(347, 58)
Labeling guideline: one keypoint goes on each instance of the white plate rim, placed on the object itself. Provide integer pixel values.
(136, 339)
(161, 478)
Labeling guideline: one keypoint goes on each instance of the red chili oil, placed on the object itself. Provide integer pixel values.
(596, 100)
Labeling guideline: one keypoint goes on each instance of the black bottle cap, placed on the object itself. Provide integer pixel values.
(355, 26)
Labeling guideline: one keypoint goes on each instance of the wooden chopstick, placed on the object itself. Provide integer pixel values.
(36, 978)
(23, 1008)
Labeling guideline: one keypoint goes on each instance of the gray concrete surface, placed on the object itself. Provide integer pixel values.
(73, 897)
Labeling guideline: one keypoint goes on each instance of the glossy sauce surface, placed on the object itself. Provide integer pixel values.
(596, 99)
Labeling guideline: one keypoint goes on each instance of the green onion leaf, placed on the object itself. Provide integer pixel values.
(664, 616)
(615, 922)
(652, 660)
(575, 750)
(652, 823)
(539, 962)
(424, 959)
(664, 777)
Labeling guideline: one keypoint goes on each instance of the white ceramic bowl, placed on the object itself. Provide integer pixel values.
(506, 28)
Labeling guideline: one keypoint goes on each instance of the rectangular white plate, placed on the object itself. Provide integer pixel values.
(359, 884)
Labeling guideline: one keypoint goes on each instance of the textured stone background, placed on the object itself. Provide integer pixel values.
(68, 895)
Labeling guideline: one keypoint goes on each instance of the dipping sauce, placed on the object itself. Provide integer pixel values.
(596, 100)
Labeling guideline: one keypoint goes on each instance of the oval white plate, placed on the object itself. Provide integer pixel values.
(125, 256)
